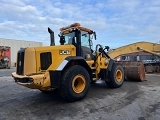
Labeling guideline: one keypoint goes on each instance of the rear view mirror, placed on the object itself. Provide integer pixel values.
(62, 40)
(94, 33)
(107, 47)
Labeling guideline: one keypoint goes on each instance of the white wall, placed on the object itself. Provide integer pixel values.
(15, 45)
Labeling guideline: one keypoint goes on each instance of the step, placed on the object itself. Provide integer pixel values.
(93, 68)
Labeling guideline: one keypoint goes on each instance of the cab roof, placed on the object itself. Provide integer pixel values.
(68, 29)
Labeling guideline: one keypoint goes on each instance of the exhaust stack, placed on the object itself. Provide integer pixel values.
(51, 37)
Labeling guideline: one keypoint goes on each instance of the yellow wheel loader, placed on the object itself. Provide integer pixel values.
(69, 67)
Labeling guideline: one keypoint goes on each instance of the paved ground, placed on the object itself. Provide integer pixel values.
(133, 101)
(7, 72)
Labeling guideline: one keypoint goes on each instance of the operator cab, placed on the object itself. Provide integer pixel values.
(80, 37)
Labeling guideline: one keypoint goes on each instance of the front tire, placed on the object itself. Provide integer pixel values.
(75, 83)
(116, 76)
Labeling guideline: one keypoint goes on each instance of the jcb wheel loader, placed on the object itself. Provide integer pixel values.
(69, 67)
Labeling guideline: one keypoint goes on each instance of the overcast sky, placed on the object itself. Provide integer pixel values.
(116, 22)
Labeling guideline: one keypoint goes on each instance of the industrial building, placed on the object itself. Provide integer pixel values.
(139, 56)
(16, 45)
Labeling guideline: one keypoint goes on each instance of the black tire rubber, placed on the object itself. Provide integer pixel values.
(92, 82)
(66, 91)
(113, 83)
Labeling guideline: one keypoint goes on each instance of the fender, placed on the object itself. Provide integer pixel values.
(111, 62)
(55, 75)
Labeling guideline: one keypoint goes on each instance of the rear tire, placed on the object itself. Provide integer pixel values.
(75, 83)
(116, 76)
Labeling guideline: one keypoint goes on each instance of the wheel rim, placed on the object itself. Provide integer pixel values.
(78, 83)
(119, 75)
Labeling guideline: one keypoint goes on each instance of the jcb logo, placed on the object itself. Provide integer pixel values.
(64, 52)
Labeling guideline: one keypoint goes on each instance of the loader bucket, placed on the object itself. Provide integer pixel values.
(133, 70)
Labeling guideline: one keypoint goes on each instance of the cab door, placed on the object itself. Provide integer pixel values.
(86, 46)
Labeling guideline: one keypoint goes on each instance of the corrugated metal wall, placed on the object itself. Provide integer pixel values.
(15, 45)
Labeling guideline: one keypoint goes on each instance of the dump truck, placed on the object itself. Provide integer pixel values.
(69, 67)
(4, 57)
